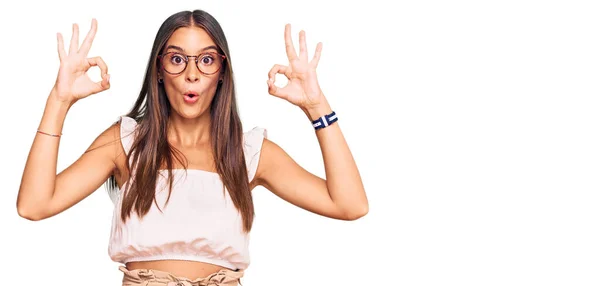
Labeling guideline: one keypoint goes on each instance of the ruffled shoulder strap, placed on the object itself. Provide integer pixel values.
(253, 140)
(128, 126)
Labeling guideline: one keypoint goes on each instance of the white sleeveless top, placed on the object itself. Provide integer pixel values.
(199, 223)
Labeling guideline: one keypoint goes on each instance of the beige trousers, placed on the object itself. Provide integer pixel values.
(151, 277)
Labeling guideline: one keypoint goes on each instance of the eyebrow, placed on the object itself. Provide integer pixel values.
(182, 50)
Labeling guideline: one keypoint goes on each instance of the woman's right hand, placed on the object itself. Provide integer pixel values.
(72, 82)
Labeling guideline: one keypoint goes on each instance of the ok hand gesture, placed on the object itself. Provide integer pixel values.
(72, 82)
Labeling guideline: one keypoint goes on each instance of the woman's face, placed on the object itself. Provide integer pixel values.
(190, 91)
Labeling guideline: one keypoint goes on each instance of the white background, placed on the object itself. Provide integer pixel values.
(474, 125)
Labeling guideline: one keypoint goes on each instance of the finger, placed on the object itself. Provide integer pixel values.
(303, 53)
(315, 61)
(279, 69)
(98, 61)
(102, 85)
(87, 43)
(289, 46)
(275, 91)
(74, 39)
(61, 47)
(105, 83)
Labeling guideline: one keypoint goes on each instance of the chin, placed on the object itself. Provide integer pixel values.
(190, 113)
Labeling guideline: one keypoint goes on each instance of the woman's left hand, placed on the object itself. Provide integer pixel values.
(302, 88)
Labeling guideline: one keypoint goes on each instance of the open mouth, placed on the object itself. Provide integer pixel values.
(190, 97)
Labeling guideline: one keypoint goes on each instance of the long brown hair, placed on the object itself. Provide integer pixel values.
(150, 149)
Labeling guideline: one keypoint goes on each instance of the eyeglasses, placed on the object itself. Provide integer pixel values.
(207, 63)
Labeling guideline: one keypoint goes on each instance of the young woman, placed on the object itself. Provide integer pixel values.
(179, 166)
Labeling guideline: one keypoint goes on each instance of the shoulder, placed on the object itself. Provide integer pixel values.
(106, 146)
(108, 137)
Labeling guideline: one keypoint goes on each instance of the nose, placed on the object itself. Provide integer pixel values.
(192, 74)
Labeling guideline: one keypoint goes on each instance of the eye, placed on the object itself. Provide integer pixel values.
(176, 59)
(207, 59)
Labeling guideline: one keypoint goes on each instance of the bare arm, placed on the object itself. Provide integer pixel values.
(341, 195)
(42, 192)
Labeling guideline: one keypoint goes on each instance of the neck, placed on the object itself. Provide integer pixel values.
(189, 132)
